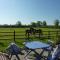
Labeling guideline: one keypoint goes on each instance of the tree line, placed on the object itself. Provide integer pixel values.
(34, 24)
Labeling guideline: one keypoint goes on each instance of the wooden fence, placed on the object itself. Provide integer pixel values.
(20, 35)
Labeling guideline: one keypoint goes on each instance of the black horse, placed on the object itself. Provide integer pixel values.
(33, 31)
(30, 31)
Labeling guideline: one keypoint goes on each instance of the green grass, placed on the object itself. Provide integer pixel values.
(6, 40)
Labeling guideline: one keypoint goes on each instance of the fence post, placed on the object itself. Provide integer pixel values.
(28, 35)
(56, 35)
(14, 36)
(39, 34)
(48, 34)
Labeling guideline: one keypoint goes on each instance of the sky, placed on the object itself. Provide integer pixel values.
(28, 11)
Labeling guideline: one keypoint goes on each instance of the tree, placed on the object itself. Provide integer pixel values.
(33, 24)
(18, 23)
(56, 23)
(44, 23)
(39, 23)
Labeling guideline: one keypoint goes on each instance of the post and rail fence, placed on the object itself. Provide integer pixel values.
(20, 35)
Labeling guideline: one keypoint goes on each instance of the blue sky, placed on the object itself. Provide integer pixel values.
(28, 11)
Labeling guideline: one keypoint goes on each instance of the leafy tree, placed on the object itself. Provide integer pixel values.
(18, 23)
(33, 24)
(44, 23)
(56, 23)
(39, 23)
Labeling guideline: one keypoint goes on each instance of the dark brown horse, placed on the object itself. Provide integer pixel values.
(33, 31)
(30, 31)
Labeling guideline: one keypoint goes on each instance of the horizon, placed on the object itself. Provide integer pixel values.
(28, 11)
(28, 23)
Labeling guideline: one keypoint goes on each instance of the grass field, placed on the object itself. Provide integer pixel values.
(6, 38)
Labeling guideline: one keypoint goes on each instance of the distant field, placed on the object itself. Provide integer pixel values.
(6, 38)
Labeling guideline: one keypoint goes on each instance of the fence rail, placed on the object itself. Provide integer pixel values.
(20, 35)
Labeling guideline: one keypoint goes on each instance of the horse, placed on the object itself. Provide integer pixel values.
(38, 33)
(30, 31)
(33, 31)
